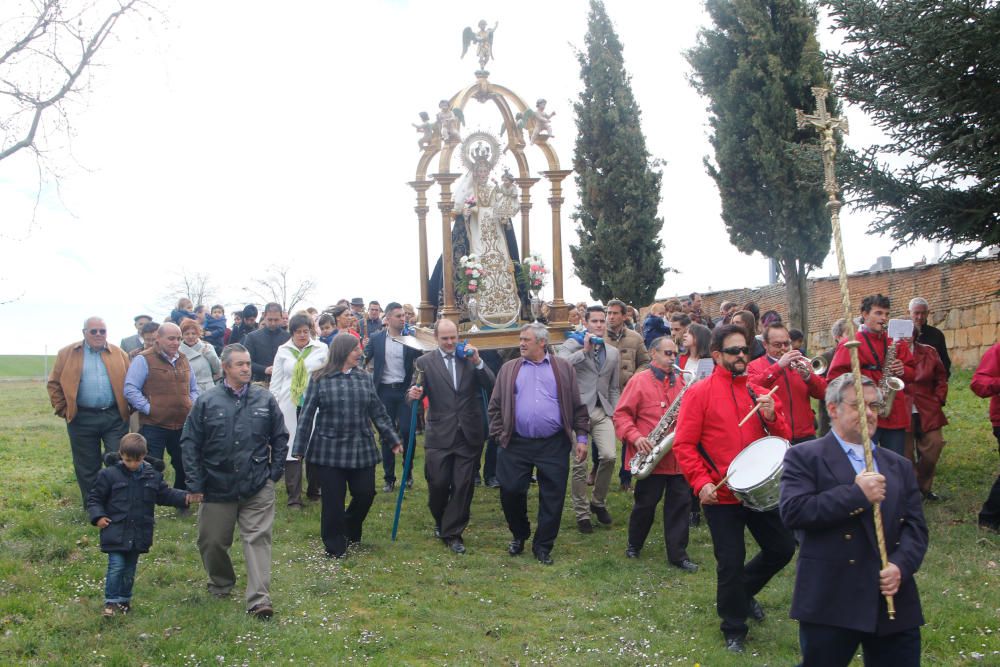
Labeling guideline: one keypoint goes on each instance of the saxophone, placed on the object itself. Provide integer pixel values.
(662, 435)
(889, 385)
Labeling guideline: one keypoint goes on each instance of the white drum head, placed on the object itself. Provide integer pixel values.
(757, 462)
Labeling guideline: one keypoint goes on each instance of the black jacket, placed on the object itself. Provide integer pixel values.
(129, 500)
(262, 345)
(233, 445)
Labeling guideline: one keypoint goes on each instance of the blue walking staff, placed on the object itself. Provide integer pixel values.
(418, 380)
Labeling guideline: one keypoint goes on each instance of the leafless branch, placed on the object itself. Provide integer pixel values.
(278, 286)
(38, 56)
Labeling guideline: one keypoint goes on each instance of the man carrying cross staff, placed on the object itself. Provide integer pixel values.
(849, 588)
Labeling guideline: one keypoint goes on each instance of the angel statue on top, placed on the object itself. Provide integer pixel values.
(483, 40)
(483, 210)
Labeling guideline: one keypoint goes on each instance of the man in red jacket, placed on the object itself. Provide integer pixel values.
(708, 438)
(986, 382)
(875, 345)
(643, 402)
(927, 394)
(787, 369)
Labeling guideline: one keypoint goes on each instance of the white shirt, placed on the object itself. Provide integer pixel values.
(395, 370)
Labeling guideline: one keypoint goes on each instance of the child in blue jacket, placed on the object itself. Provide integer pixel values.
(121, 504)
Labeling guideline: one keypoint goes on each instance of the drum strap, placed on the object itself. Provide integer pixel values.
(753, 398)
(708, 459)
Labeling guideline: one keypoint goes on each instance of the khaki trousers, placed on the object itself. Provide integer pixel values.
(927, 446)
(602, 430)
(216, 524)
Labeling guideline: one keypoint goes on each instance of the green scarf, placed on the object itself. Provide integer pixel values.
(300, 378)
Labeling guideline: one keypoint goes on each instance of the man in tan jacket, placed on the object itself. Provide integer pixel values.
(86, 388)
(632, 356)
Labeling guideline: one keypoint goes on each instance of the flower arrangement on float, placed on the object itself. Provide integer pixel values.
(470, 272)
(535, 272)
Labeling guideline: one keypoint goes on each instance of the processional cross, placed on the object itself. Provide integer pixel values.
(826, 125)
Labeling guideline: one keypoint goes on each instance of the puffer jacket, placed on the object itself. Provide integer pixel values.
(232, 445)
(129, 499)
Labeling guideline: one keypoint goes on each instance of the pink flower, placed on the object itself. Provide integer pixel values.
(535, 268)
(468, 272)
(537, 283)
(472, 287)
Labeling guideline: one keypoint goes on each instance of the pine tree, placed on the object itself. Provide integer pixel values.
(620, 253)
(928, 74)
(756, 66)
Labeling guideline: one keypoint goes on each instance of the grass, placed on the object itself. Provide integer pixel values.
(412, 602)
(24, 365)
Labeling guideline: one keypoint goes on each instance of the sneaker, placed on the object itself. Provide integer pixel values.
(389, 486)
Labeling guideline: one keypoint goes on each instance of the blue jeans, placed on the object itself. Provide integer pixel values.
(120, 577)
(160, 440)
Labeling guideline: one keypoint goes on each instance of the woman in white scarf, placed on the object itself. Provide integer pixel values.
(294, 364)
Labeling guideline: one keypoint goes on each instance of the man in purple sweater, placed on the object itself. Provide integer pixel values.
(536, 415)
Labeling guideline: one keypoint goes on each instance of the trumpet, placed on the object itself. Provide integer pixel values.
(816, 365)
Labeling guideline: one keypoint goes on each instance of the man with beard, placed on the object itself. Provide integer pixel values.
(708, 438)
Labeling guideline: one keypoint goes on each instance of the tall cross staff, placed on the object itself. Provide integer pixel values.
(825, 124)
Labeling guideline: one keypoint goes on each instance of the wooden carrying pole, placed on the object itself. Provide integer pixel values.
(826, 125)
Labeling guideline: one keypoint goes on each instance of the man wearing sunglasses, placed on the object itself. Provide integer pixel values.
(708, 439)
(87, 389)
(786, 368)
(643, 403)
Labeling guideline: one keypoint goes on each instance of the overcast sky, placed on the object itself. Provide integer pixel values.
(227, 136)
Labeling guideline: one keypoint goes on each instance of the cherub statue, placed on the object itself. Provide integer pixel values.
(483, 40)
(543, 122)
(448, 121)
(426, 129)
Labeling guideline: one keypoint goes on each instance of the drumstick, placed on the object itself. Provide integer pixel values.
(723, 480)
(756, 408)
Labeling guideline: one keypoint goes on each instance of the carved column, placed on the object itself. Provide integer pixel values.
(525, 185)
(559, 311)
(425, 311)
(445, 205)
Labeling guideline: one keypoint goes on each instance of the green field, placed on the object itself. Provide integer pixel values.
(24, 365)
(413, 602)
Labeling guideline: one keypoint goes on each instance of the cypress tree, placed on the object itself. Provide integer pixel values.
(756, 66)
(620, 253)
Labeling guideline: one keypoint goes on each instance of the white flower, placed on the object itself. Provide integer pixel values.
(475, 273)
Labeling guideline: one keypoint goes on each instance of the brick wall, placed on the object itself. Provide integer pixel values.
(962, 298)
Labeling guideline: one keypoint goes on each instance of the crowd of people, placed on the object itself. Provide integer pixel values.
(302, 396)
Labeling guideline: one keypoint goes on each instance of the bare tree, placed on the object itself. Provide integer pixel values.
(195, 286)
(47, 49)
(279, 286)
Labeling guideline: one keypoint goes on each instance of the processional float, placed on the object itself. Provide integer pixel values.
(477, 210)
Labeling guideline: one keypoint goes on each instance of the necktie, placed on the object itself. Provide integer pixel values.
(449, 361)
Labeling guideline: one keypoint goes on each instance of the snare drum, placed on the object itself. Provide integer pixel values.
(755, 473)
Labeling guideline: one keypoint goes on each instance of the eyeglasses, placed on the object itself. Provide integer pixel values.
(736, 350)
(94, 332)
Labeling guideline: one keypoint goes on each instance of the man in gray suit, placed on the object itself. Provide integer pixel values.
(454, 429)
(597, 368)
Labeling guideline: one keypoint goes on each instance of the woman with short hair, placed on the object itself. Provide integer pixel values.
(201, 356)
(335, 435)
(294, 362)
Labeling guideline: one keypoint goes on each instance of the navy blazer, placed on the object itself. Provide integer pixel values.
(837, 574)
(375, 350)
